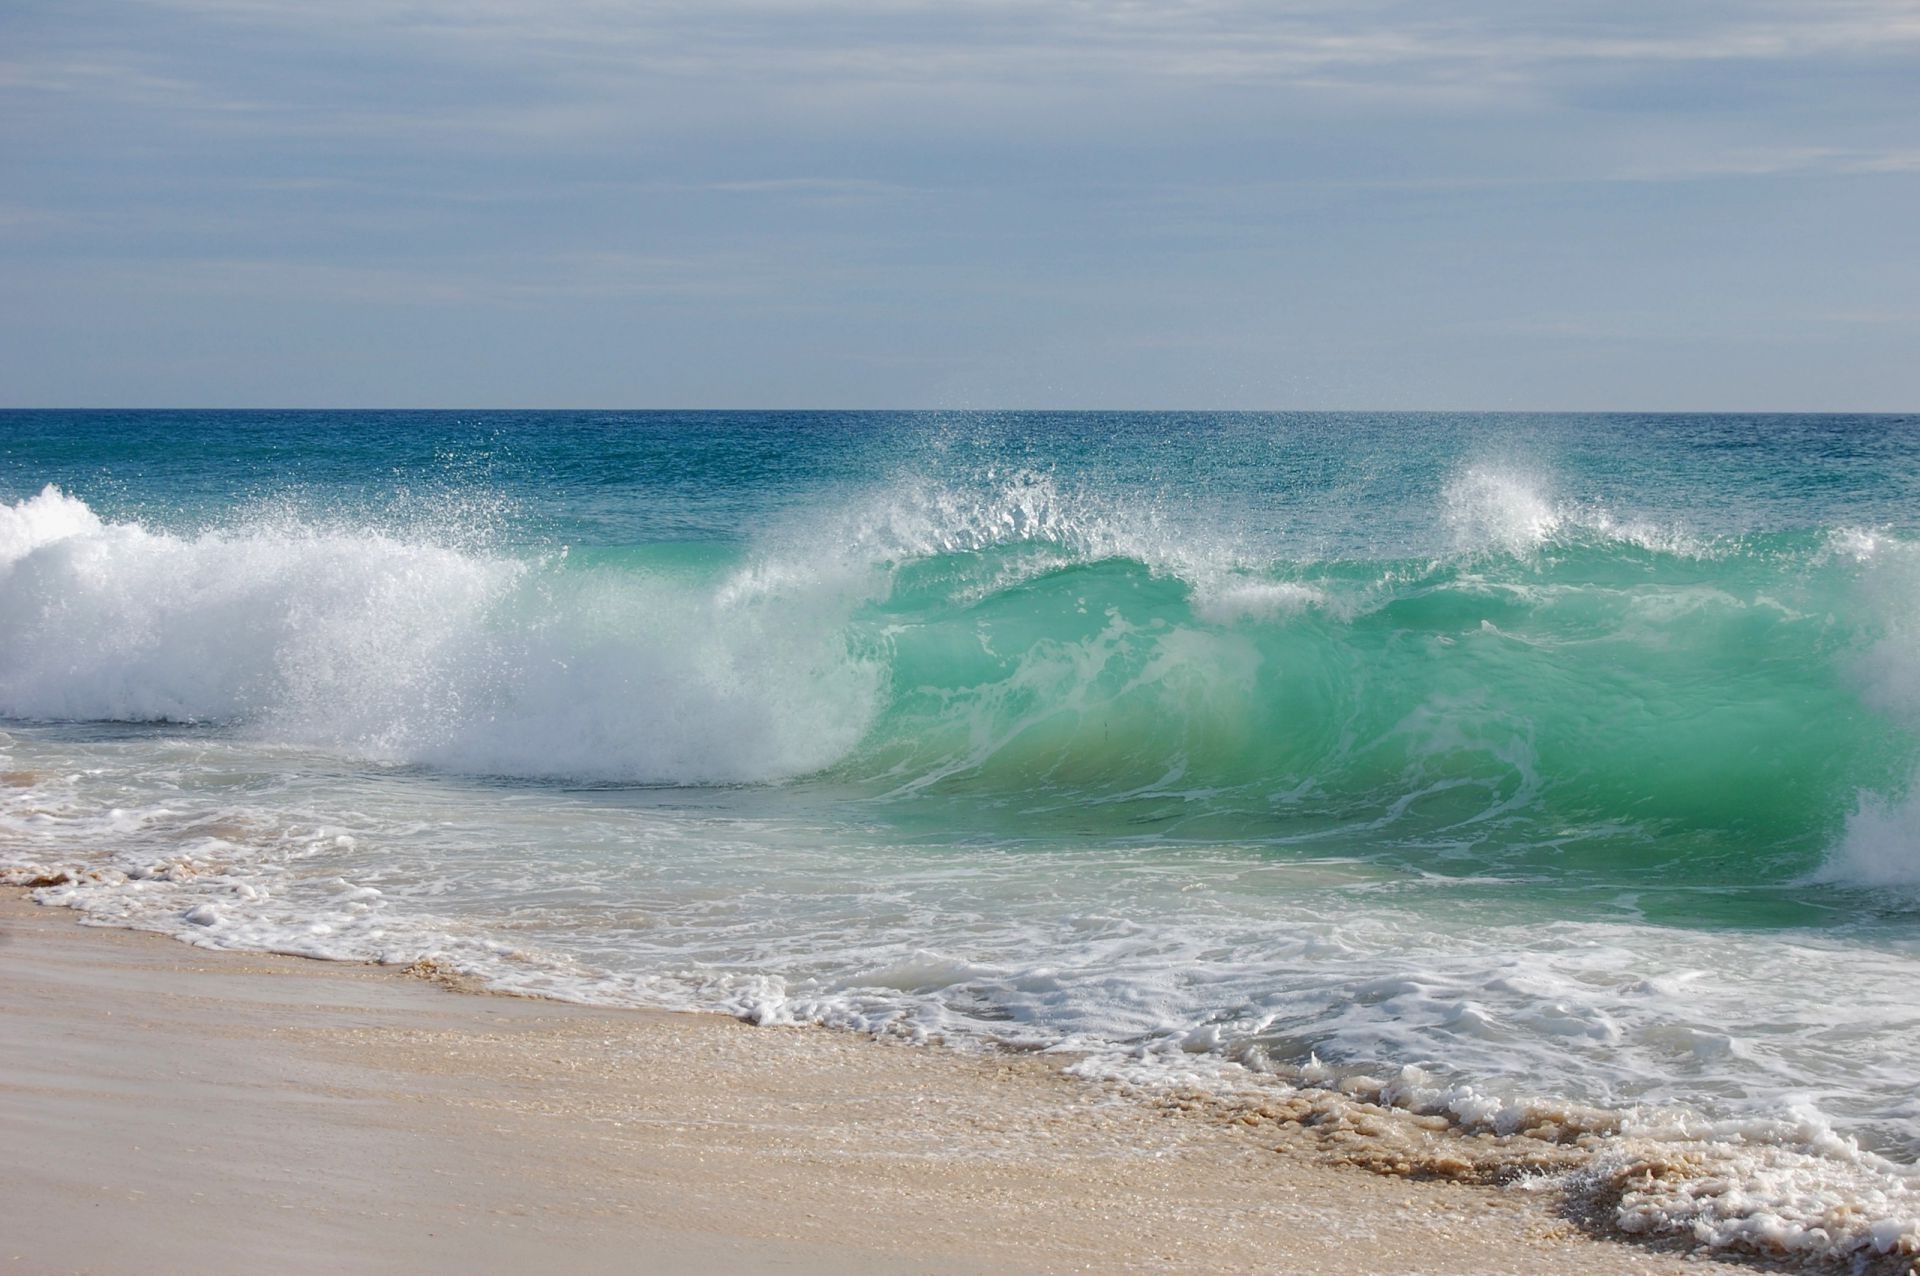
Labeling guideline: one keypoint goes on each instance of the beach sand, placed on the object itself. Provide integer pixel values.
(168, 1109)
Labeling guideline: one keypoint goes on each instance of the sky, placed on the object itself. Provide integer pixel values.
(971, 204)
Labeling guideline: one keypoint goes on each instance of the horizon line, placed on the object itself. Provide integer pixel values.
(1003, 411)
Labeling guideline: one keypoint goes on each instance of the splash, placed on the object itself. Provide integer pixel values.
(403, 648)
(1022, 640)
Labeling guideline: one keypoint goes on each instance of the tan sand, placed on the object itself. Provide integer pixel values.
(165, 1109)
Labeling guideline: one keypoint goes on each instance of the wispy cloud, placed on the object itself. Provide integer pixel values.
(1010, 40)
(504, 74)
(584, 65)
(16, 217)
(1780, 161)
(527, 280)
(847, 188)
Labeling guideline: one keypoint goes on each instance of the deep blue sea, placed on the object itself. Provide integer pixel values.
(1490, 765)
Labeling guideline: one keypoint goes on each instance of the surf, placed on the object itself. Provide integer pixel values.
(1552, 687)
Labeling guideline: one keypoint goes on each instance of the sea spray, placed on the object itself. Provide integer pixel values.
(402, 648)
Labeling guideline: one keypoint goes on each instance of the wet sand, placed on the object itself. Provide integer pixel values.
(167, 1109)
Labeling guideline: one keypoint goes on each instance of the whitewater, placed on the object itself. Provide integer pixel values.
(1555, 775)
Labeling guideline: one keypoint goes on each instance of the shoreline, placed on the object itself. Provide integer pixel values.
(170, 1108)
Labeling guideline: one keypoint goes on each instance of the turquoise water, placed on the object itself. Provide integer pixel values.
(1552, 756)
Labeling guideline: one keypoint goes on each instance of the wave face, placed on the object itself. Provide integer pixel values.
(1532, 772)
(1594, 683)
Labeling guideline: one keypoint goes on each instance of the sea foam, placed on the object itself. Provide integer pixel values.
(403, 648)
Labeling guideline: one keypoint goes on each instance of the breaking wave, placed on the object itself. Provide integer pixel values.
(1549, 683)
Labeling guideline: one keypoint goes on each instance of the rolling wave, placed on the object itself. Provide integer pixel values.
(1552, 684)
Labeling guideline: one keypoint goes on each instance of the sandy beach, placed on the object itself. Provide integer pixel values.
(167, 1109)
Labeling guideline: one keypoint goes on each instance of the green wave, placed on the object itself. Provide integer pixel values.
(1599, 700)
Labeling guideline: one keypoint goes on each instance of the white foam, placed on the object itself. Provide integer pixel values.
(1880, 846)
(44, 519)
(1789, 1187)
(402, 648)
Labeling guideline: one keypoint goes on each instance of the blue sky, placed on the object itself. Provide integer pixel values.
(961, 203)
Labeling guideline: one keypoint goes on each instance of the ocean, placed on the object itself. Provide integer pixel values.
(1532, 771)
